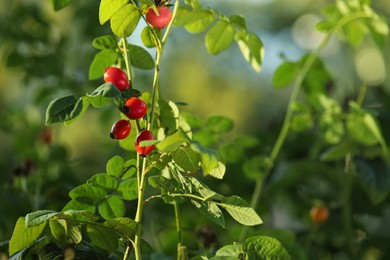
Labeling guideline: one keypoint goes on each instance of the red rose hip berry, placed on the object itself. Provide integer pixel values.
(144, 135)
(117, 77)
(134, 108)
(161, 20)
(319, 214)
(120, 129)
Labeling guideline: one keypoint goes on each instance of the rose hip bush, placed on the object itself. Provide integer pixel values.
(171, 155)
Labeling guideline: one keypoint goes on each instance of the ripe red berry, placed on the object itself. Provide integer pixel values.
(161, 20)
(117, 77)
(120, 129)
(134, 108)
(319, 214)
(144, 135)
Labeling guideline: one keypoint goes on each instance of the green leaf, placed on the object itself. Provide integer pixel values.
(241, 211)
(288, 240)
(194, 21)
(88, 194)
(169, 114)
(251, 48)
(38, 217)
(219, 124)
(124, 227)
(102, 60)
(219, 171)
(79, 109)
(76, 204)
(63, 230)
(172, 142)
(112, 207)
(103, 237)
(256, 166)
(209, 157)
(105, 90)
(168, 185)
(338, 151)
(23, 236)
(147, 37)
(285, 74)
(128, 189)
(80, 215)
(228, 252)
(187, 159)
(59, 229)
(219, 37)
(60, 109)
(264, 247)
(103, 180)
(108, 8)
(124, 22)
(363, 128)
(374, 177)
(210, 210)
(140, 58)
(239, 21)
(105, 42)
(302, 119)
(60, 4)
(115, 166)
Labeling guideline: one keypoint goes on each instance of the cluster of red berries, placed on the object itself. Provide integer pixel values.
(134, 108)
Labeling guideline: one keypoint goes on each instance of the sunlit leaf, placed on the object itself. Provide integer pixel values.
(108, 8)
(219, 37)
(251, 48)
(38, 217)
(124, 22)
(23, 236)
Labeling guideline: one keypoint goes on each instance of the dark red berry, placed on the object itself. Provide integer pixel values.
(117, 77)
(134, 108)
(144, 135)
(120, 129)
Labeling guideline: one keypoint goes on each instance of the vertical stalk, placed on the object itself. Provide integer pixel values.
(347, 210)
(141, 170)
(129, 69)
(286, 125)
(181, 249)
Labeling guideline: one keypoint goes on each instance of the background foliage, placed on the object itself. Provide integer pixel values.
(46, 54)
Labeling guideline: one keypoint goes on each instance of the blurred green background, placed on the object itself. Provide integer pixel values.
(46, 54)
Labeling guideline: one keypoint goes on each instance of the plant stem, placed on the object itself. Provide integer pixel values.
(140, 207)
(141, 171)
(181, 249)
(160, 44)
(286, 125)
(347, 210)
(129, 69)
(178, 225)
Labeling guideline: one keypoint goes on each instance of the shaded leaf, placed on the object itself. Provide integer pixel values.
(60, 4)
(101, 61)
